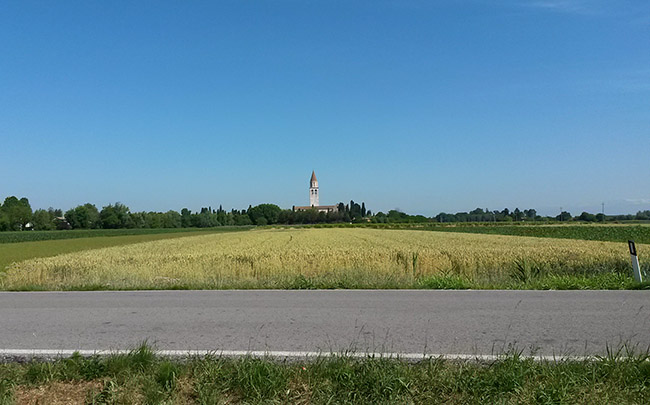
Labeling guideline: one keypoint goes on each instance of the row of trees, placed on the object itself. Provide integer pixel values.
(485, 215)
(481, 215)
(396, 216)
(17, 215)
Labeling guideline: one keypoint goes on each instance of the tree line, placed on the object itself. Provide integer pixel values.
(530, 215)
(16, 214)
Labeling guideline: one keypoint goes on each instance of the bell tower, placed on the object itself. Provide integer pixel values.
(313, 190)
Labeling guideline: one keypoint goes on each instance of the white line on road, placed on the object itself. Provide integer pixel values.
(28, 354)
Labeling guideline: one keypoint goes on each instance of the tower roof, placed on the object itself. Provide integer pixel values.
(313, 176)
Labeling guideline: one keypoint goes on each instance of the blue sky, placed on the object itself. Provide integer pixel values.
(425, 106)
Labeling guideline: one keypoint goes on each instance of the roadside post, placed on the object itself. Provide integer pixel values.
(635, 261)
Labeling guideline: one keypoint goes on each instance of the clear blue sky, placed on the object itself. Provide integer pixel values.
(426, 106)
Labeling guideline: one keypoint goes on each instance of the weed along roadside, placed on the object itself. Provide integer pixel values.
(143, 376)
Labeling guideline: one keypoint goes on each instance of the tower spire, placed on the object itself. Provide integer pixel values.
(313, 190)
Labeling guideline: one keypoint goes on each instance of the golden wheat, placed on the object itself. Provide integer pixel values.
(268, 256)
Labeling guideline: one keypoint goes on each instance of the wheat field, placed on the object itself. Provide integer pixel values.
(275, 258)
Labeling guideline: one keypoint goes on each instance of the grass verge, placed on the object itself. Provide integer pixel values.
(142, 377)
(352, 282)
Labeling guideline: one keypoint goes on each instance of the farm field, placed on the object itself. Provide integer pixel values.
(33, 236)
(612, 233)
(640, 233)
(40, 246)
(334, 258)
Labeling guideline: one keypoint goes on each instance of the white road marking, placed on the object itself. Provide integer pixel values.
(278, 355)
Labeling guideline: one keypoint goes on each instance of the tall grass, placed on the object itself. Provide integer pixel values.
(143, 377)
(333, 258)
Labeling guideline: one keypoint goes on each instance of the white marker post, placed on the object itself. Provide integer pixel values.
(635, 261)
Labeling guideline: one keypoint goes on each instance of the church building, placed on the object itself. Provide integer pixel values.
(313, 199)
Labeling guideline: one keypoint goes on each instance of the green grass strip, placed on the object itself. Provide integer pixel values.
(143, 377)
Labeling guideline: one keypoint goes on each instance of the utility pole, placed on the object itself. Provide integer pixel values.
(603, 211)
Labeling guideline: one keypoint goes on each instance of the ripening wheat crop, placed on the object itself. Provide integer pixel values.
(271, 258)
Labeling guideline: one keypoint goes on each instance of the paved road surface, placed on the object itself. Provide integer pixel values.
(440, 322)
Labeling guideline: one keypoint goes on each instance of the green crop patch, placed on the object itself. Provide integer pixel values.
(610, 233)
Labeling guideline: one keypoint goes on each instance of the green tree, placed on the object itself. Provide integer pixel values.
(139, 220)
(242, 219)
(43, 220)
(116, 216)
(530, 214)
(83, 217)
(4, 220)
(355, 210)
(186, 218)
(396, 216)
(311, 216)
(55, 212)
(221, 216)
(585, 216)
(205, 219)
(270, 213)
(643, 215)
(172, 219)
(18, 212)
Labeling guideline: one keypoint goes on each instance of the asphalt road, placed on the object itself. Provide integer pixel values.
(438, 322)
